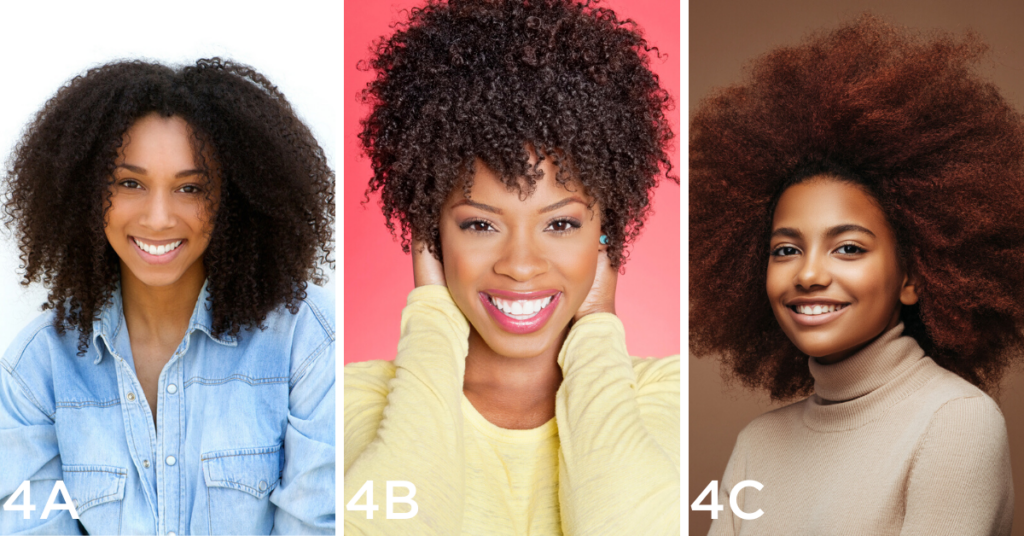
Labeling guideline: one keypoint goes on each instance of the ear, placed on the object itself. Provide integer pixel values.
(908, 291)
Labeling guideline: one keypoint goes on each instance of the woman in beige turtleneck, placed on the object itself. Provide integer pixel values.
(856, 236)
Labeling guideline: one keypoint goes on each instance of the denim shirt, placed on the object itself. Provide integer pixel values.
(244, 435)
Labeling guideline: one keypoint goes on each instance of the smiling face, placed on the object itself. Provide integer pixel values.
(834, 278)
(519, 269)
(159, 220)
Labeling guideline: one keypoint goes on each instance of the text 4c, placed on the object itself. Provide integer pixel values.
(714, 507)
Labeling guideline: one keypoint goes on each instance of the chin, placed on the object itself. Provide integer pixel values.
(152, 278)
(522, 346)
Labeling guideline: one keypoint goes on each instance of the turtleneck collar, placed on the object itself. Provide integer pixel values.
(860, 388)
(872, 367)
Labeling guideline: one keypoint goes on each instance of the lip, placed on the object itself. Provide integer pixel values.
(512, 295)
(157, 259)
(815, 320)
(520, 327)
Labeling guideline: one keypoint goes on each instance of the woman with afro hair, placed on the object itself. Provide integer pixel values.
(182, 379)
(855, 236)
(516, 145)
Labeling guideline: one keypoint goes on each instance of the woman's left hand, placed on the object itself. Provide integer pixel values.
(601, 298)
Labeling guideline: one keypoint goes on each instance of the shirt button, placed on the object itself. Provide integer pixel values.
(263, 485)
(171, 460)
(75, 502)
(145, 463)
(131, 397)
(171, 388)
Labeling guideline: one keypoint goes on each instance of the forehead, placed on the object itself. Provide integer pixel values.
(157, 140)
(487, 185)
(823, 202)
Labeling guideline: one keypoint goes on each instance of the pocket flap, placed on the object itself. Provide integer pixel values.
(255, 471)
(90, 485)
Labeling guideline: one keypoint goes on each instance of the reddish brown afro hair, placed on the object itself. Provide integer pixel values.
(907, 118)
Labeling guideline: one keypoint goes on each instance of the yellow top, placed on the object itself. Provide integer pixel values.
(608, 463)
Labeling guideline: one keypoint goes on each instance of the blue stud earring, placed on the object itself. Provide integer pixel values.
(604, 240)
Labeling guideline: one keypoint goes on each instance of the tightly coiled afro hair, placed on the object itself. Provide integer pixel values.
(493, 79)
(908, 118)
(275, 215)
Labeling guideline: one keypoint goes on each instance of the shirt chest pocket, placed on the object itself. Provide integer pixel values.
(239, 483)
(97, 492)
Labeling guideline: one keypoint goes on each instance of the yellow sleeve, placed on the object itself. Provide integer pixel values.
(418, 434)
(618, 434)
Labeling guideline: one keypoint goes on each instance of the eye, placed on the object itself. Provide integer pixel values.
(849, 249)
(477, 226)
(785, 251)
(190, 189)
(563, 225)
(130, 183)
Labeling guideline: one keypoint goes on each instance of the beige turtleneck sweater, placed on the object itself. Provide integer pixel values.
(890, 443)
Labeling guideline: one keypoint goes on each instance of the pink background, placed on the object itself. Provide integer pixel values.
(378, 276)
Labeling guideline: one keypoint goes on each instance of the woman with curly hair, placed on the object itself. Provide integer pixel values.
(182, 381)
(855, 234)
(516, 145)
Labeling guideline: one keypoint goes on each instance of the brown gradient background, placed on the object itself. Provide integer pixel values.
(724, 36)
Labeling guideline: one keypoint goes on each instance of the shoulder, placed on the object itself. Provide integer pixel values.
(662, 373)
(309, 333)
(368, 380)
(769, 424)
(39, 336)
(28, 362)
(958, 407)
(315, 313)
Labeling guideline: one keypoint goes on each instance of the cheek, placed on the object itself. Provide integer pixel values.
(577, 262)
(116, 215)
(869, 283)
(463, 265)
(775, 284)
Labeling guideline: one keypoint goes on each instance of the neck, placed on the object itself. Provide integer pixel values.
(520, 385)
(161, 312)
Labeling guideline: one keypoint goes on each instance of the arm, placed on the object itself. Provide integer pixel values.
(618, 433)
(617, 474)
(28, 451)
(960, 482)
(418, 436)
(305, 497)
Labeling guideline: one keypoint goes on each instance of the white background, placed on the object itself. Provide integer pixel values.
(45, 44)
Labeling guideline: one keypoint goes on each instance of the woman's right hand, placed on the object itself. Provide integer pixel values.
(426, 269)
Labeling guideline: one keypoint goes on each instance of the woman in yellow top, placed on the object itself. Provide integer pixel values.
(516, 145)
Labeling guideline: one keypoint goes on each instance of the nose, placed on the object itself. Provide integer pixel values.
(158, 213)
(522, 258)
(813, 272)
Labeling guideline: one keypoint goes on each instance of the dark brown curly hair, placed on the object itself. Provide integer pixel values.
(490, 79)
(273, 227)
(904, 116)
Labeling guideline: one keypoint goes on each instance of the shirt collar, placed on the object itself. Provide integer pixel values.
(110, 324)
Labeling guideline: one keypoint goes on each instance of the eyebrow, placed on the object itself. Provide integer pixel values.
(493, 210)
(832, 232)
(178, 175)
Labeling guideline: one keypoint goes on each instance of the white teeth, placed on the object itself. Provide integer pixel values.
(520, 309)
(813, 310)
(157, 250)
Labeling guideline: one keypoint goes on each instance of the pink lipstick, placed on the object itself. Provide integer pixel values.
(520, 312)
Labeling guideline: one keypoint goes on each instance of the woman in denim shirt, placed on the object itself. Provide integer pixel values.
(182, 379)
